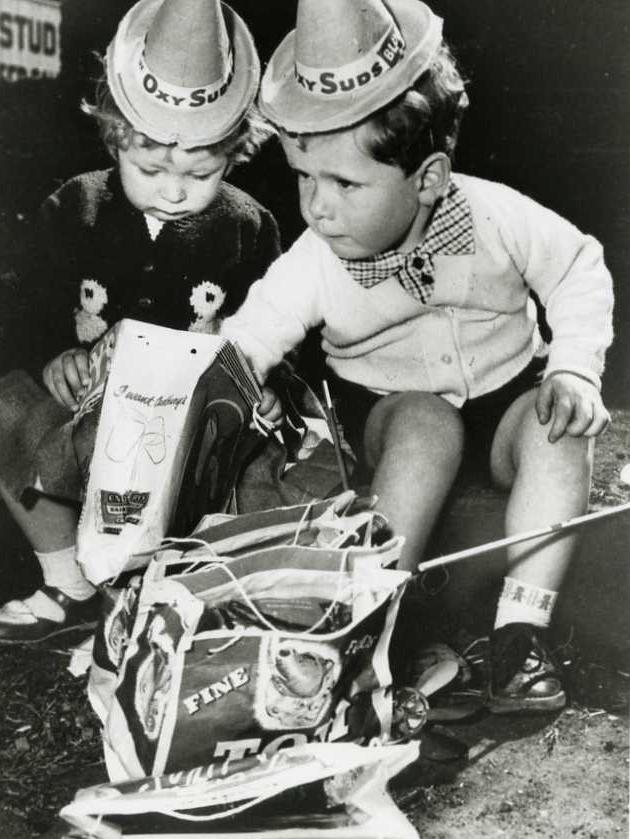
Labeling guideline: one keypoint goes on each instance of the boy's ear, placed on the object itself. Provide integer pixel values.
(432, 177)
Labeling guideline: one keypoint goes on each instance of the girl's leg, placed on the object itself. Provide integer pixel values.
(66, 598)
(49, 525)
(549, 482)
(414, 443)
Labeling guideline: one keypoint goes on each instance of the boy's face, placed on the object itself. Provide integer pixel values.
(359, 206)
(169, 183)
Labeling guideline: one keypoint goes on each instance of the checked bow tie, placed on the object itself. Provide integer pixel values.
(413, 270)
(450, 232)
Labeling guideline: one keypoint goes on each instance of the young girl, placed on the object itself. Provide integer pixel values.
(159, 237)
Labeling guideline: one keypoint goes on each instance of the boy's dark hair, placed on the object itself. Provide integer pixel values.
(116, 132)
(425, 119)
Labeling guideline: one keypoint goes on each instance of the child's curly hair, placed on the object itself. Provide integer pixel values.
(239, 146)
(423, 120)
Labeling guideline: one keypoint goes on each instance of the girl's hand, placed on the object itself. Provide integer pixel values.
(66, 377)
(573, 404)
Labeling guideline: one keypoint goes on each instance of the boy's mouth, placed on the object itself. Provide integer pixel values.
(330, 237)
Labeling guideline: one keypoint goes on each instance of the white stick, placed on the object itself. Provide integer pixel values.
(550, 529)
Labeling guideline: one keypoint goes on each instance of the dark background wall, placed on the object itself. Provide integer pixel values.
(549, 83)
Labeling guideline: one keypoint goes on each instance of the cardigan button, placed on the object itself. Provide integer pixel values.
(447, 359)
(149, 268)
(145, 302)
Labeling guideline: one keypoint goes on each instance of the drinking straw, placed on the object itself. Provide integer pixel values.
(331, 419)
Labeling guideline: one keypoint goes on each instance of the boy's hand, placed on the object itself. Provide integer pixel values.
(66, 376)
(573, 404)
(270, 408)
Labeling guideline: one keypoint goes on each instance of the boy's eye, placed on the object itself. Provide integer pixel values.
(343, 184)
(202, 177)
(150, 173)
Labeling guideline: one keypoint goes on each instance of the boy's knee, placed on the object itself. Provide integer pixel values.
(526, 444)
(414, 419)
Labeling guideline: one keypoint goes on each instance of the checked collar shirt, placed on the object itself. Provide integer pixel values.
(486, 247)
(450, 232)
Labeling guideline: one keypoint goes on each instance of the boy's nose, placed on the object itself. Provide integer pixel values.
(319, 204)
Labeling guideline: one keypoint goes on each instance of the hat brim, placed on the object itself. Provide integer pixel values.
(285, 103)
(166, 124)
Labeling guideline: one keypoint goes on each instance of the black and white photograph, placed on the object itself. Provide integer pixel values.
(314, 419)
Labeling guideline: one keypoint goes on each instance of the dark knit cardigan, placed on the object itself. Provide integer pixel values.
(93, 262)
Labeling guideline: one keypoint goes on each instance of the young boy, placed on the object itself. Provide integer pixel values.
(419, 279)
(160, 237)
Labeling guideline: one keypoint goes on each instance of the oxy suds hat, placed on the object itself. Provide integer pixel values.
(346, 59)
(183, 71)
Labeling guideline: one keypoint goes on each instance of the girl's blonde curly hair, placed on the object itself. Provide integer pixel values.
(239, 146)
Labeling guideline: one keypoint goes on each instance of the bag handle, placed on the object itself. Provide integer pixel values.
(216, 562)
(174, 540)
(248, 600)
(303, 520)
(240, 808)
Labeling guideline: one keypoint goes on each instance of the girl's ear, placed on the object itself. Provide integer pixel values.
(432, 177)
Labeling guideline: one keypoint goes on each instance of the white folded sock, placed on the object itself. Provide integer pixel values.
(524, 603)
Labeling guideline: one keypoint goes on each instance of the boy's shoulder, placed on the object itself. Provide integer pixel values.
(501, 209)
(484, 191)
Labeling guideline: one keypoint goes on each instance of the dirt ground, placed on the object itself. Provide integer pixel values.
(556, 776)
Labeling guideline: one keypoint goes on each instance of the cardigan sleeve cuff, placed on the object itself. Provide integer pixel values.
(584, 365)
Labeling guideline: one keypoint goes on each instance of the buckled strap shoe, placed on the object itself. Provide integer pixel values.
(19, 624)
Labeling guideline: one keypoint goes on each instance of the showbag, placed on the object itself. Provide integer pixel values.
(315, 791)
(242, 656)
(149, 386)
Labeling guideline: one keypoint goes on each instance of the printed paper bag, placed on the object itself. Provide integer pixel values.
(316, 791)
(341, 521)
(143, 400)
(280, 646)
(344, 520)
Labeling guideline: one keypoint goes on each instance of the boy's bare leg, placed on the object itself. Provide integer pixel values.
(549, 482)
(50, 527)
(414, 442)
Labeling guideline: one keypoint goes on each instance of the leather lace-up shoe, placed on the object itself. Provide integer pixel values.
(523, 675)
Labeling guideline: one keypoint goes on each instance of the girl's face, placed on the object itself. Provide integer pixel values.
(359, 206)
(169, 183)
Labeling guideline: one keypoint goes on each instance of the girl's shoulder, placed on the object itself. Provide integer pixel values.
(82, 195)
(233, 203)
(95, 183)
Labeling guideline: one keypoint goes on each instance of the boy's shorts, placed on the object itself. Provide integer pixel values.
(481, 416)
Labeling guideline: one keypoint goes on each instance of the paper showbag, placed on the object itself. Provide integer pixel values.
(313, 791)
(278, 646)
(140, 412)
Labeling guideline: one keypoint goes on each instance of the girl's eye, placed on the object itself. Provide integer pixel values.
(149, 173)
(205, 177)
(342, 184)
